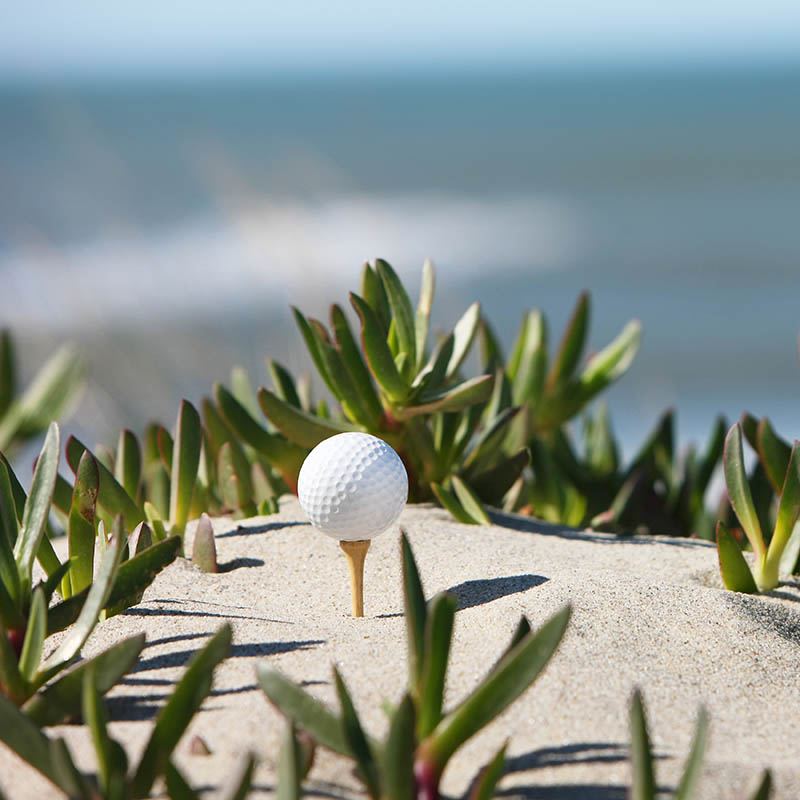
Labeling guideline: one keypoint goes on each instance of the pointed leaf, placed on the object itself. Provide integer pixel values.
(94, 716)
(487, 449)
(128, 464)
(242, 389)
(398, 753)
(60, 700)
(298, 426)
(185, 461)
(354, 363)
(468, 393)
(528, 366)
(34, 636)
(432, 376)
(374, 293)
(507, 681)
(379, 356)
(644, 782)
(572, 343)
(357, 740)
(470, 502)
(463, 337)
(284, 384)
(449, 502)
(491, 350)
(712, 455)
(736, 574)
(8, 371)
(690, 779)
(204, 549)
(438, 636)
(739, 490)
(774, 454)
(28, 742)
(96, 599)
(306, 711)
(402, 309)
(422, 318)
(177, 786)
(764, 789)
(12, 684)
(312, 343)
(416, 613)
(289, 765)
(788, 508)
(175, 716)
(110, 494)
(81, 532)
(9, 575)
(486, 783)
(37, 507)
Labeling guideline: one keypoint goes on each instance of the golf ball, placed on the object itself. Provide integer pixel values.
(352, 486)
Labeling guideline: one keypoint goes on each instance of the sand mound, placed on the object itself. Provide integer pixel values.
(647, 612)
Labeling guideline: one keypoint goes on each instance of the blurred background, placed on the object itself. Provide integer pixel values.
(174, 176)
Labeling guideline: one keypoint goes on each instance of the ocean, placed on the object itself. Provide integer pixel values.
(167, 227)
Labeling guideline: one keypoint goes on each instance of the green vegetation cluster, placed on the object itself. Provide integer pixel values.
(507, 437)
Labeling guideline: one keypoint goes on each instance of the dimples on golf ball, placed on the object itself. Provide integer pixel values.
(352, 486)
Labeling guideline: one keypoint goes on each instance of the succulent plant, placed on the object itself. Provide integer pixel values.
(52, 391)
(644, 785)
(114, 780)
(780, 554)
(389, 385)
(422, 736)
(27, 617)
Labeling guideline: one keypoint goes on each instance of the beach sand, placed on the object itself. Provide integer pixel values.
(647, 612)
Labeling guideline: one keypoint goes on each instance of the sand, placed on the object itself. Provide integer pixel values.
(648, 612)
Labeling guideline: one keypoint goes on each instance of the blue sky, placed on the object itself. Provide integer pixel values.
(70, 37)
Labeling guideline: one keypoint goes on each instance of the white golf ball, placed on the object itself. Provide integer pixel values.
(352, 486)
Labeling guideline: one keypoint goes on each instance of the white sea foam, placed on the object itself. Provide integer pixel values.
(271, 252)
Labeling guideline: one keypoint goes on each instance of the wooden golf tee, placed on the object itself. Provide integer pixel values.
(356, 552)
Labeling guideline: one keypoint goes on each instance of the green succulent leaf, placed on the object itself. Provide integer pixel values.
(243, 391)
(528, 366)
(8, 371)
(289, 765)
(204, 549)
(306, 711)
(298, 426)
(487, 448)
(739, 489)
(110, 495)
(398, 753)
(690, 779)
(60, 700)
(379, 356)
(185, 462)
(422, 318)
(178, 787)
(29, 743)
(354, 364)
(9, 574)
(46, 399)
(764, 789)
(357, 739)
(10, 616)
(451, 503)
(644, 781)
(81, 531)
(438, 636)
(470, 501)
(242, 785)
(416, 614)
(432, 376)
(712, 456)
(286, 456)
(402, 310)
(128, 464)
(572, 344)
(485, 784)
(312, 343)
(234, 478)
(468, 393)
(463, 337)
(788, 508)
(96, 599)
(374, 293)
(750, 429)
(491, 349)
(736, 574)
(284, 383)
(94, 716)
(34, 636)
(37, 507)
(602, 453)
(504, 684)
(774, 453)
(174, 717)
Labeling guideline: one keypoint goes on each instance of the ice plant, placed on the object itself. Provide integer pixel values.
(781, 554)
(422, 735)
